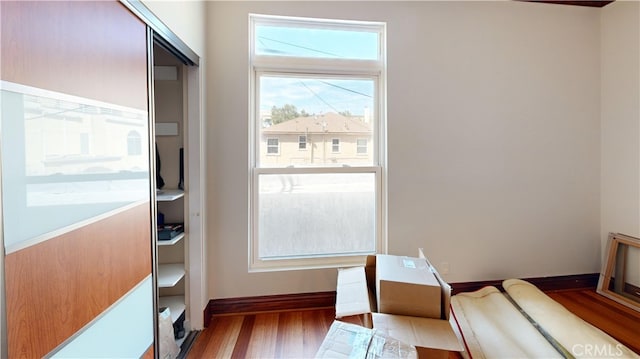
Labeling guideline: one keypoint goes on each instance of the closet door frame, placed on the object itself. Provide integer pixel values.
(160, 34)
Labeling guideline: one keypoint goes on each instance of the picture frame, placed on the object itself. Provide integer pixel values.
(620, 275)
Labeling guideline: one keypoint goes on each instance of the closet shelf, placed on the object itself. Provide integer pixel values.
(175, 303)
(170, 274)
(172, 241)
(167, 195)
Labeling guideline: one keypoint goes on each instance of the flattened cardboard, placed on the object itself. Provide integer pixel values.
(407, 286)
(429, 336)
(352, 297)
(352, 341)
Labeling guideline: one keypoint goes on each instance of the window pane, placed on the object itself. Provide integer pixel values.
(306, 215)
(273, 147)
(362, 146)
(335, 145)
(316, 42)
(332, 114)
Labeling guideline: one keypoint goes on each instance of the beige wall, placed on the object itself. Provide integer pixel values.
(510, 169)
(185, 18)
(493, 139)
(620, 111)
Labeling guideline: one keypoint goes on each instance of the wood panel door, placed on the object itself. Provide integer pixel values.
(75, 179)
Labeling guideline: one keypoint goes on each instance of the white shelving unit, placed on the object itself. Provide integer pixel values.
(172, 151)
(170, 274)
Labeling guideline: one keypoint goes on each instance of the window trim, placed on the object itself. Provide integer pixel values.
(260, 65)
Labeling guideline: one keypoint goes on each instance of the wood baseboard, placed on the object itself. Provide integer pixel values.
(546, 284)
(269, 303)
(303, 301)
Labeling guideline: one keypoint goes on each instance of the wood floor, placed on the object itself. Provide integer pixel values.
(298, 334)
(620, 322)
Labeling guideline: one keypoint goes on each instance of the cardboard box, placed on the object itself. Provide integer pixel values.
(356, 284)
(346, 340)
(432, 338)
(353, 298)
(407, 286)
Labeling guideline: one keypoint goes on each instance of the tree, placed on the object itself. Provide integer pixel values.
(345, 113)
(284, 113)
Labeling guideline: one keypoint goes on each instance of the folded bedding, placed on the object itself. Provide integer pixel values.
(524, 322)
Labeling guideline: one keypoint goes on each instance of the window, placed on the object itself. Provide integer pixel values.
(335, 145)
(361, 146)
(321, 84)
(273, 146)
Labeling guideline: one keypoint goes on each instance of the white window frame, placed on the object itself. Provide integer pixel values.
(260, 65)
(300, 142)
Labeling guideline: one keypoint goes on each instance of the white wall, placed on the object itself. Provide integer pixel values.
(185, 18)
(620, 111)
(493, 139)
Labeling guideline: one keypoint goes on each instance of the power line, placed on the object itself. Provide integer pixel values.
(299, 46)
(318, 96)
(346, 89)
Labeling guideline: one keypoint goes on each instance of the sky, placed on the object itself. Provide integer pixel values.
(316, 95)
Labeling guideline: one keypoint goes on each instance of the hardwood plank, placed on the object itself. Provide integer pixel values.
(264, 336)
(242, 343)
(290, 343)
(315, 326)
(198, 350)
(612, 318)
(223, 339)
